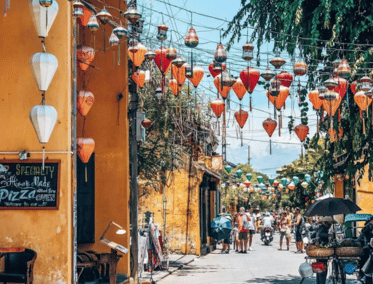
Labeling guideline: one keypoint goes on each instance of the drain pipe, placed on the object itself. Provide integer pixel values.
(74, 156)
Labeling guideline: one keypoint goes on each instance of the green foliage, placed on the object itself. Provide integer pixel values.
(311, 26)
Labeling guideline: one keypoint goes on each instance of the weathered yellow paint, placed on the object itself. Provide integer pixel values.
(48, 232)
(179, 184)
(110, 135)
(364, 193)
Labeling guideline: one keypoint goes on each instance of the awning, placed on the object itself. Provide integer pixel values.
(203, 167)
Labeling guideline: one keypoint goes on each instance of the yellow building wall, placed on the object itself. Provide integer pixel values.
(338, 188)
(176, 210)
(48, 232)
(107, 124)
(364, 193)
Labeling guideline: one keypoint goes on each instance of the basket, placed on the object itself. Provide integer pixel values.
(349, 251)
(319, 252)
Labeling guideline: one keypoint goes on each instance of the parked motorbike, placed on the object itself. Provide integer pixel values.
(367, 266)
(267, 235)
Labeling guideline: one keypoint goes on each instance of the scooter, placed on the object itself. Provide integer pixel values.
(267, 235)
(367, 268)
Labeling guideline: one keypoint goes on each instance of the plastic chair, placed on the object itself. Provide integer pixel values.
(19, 267)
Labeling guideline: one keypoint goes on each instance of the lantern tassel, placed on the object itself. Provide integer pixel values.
(364, 126)
(347, 101)
(113, 57)
(104, 32)
(94, 41)
(43, 164)
(339, 115)
(86, 175)
(251, 105)
(331, 117)
(241, 138)
(322, 114)
(301, 152)
(361, 114)
(119, 54)
(270, 146)
(317, 124)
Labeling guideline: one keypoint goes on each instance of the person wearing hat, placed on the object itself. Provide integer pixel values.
(322, 236)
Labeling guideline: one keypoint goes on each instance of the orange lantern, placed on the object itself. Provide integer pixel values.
(85, 148)
(342, 86)
(279, 101)
(179, 74)
(217, 107)
(265, 197)
(270, 126)
(363, 102)
(274, 196)
(300, 68)
(138, 57)
(302, 131)
(331, 105)
(222, 91)
(84, 56)
(285, 78)
(85, 102)
(314, 99)
(146, 123)
(333, 134)
(175, 88)
(139, 78)
(246, 199)
(241, 117)
(85, 18)
(197, 76)
(287, 190)
(239, 89)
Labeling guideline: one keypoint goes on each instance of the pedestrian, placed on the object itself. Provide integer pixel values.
(234, 234)
(298, 230)
(284, 225)
(257, 217)
(290, 216)
(252, 223)
(242, 220)
(227, 241)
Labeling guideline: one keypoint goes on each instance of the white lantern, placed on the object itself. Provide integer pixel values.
(43, 118)
(43, 17)
(43, 66)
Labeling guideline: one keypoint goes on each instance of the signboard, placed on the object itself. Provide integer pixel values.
(25, 185)
(217, 163)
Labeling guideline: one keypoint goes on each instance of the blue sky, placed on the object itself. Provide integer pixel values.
(178, 21)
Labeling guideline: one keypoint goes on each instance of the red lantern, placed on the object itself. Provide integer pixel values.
(174, 86)
(197, 76)
(269, 126)
(84, 56)
(314, 99)
(146, 123)
(285, 78)
(241, 117)
(161, 60)
(85, 102)
(239, 89)
(342, 86)
(300, 68)
(213, 71)
(139, 78)
(179, 74)
(85, 148)
(353, 86)
(138, 57)
(276, 183)
(250, 77)
(302, 131)
(217, 107)
(222, 91)
(247, 183)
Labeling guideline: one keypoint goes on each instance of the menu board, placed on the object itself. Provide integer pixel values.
(26, 185)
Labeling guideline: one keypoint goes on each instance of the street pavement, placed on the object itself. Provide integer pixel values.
(265, 264)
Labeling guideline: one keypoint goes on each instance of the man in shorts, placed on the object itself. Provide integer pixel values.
(252, 223)
(242, 220)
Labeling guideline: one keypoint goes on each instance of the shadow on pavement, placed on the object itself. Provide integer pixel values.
(280, 279)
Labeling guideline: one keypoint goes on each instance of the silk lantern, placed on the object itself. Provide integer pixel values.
(269, 126)
(285, 78)
(267, 74)
(301, 131)
(85, 148)
(84, 56)
(197, 76)
(250, 77)
(295, 180)
(216, 71)
(344, 69)
(139, 78)
(223, 91)
(241, 117)
(146, 123)
(249, 177)
(333, 134)
(43, 117)
(132, 15)
(300, 68)
(239, 173)
(85, 102)
(228, 169)
(277, 62)
(43, 66)
(138, 57)
(316, 102)
(45, 3)
(43, 17)
(191, 39)
(247, 183)
(174, 86)
(217, 107)
(220, 54)
(307, 177)
(247, 51)
(179, 74)
(239, 89)
(363, 102)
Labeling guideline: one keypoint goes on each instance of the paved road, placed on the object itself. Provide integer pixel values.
(265, 264)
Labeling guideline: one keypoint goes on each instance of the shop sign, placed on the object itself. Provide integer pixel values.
(217, 163)
(26, 185)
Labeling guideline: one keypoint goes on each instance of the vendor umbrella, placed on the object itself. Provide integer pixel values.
(332, 206)
(220, 228)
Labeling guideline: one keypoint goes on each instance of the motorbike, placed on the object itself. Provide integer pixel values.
(267, 235)
(367, 266)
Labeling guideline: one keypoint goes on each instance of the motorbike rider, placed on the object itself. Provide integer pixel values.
(364, 238)
(267, 222)
(321, 236)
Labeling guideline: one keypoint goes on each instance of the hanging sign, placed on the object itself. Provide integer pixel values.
(217, 163)
(25, 185)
